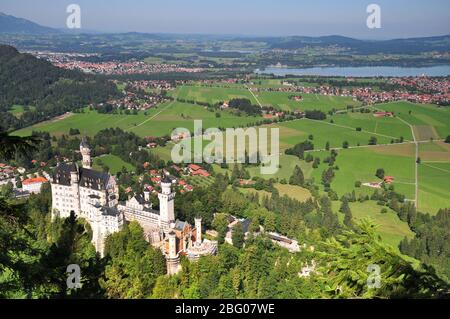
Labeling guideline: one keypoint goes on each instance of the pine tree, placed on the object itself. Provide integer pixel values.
(297, 177)
(348, 219)
(345, 208)
(238, 235)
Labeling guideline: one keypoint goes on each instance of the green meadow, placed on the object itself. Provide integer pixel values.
(294, 132)
(159, 121)
(422, 115)
(390, 228)
(295, 192)
(282, 100)
(212, 95)
(361, 164)
(279, 100)
(114, 163)
(434, 187)
(385, 126)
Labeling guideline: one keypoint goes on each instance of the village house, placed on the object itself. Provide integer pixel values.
(33, 185)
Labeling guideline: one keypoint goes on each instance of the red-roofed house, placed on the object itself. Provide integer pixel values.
(201, 172)
(33, 185)
(194, 167)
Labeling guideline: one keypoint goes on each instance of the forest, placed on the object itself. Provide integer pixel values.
(46, 91)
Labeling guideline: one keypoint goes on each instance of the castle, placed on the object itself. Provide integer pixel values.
(94, 196)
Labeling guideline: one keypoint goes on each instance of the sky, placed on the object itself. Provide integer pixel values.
(399, 18)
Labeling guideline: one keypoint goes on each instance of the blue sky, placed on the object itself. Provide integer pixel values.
(400, 18)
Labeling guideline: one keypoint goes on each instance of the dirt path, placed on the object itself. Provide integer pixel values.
(151, 118)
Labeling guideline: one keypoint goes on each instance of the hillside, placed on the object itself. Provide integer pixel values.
(28, 81)
(394, 46)
(12, 25)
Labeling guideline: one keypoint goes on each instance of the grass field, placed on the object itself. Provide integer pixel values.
(278, 83)
(294, 192)
(159, 121)
(294, 132)
(212, 95)
(435, 152)
(287, 165)
(386, 126)
(114, 163)
(279, 100)
(361, 165)
(391, 229)
(423, 117)
(434, 187)
(324, 103)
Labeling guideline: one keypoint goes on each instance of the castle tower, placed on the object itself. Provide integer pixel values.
(85, 151)
(75, 185)
(172, 257)
(166, 204)
(198, 228)
(172, 245)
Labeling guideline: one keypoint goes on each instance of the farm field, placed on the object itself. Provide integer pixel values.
(278, 83)
(212, 95)
(294, 132)
(361, 165)
(279, 100)
(386, 126)
(324, 103)
(159, 121)
(435, 151)
(426, 118)
(434, 187)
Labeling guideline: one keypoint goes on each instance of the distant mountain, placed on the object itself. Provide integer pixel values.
(12, 25)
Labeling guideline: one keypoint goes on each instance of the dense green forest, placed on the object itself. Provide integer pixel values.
(44, 90)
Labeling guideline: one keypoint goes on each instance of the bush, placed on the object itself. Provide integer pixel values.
(447, 140)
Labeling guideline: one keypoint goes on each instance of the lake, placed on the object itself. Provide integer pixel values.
(440, 70)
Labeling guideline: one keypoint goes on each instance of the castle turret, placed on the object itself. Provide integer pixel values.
(172, 257)
(85, 151)
(198, 229)
(166, 203)
(172, 245)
